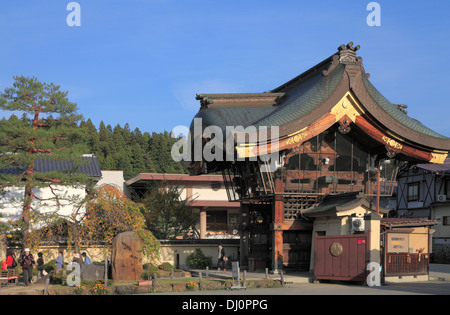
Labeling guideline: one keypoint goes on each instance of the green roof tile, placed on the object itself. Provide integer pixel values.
(303, 97)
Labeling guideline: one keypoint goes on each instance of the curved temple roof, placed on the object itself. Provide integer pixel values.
(312, 95)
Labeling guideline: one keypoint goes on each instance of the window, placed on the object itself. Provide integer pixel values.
(216, 220)
(413, 192)
(446, 220)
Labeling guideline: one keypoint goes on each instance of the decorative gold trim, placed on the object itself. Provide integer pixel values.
(245, 151)
(389, 133)
(347, 106)
(438, 158)
(392, 143)
(298, 131)
(297, 138)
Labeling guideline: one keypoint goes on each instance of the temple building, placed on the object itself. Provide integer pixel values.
(325, 142)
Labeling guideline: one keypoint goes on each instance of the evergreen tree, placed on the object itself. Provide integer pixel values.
(48, 130)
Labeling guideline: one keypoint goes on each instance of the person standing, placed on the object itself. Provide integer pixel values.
(40, 265)
(59, 261)
(10, 259)
(87, 260)
(76, 258)
(27, 262)
(222, 258)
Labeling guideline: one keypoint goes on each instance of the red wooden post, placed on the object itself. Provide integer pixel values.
(277, 249)
(378, 190)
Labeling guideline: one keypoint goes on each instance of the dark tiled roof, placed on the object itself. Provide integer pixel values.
(89, 166)
(341, 202)
(233, 116)
(303, 97)
(335, 203)
(407, 222)
(436, 168)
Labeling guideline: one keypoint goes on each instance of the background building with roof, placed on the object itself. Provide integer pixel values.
(424, 192)
(12, 200)
(218, 217)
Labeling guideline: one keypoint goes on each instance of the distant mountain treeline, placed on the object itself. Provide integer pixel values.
(120, 148)
(132, 151)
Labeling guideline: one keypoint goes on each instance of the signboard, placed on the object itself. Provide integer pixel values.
(397, 243)
(235, 270)
(235, 276)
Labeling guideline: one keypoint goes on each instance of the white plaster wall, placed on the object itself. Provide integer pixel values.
(11, 202)
(170, 252)
(114, 178)
(437, 213)
(206, 193)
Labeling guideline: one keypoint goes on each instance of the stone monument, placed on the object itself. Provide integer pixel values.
(126, 260)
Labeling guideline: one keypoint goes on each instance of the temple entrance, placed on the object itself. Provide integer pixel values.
(260, 237)
(297, 250)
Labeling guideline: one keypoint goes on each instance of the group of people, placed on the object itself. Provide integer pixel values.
(27, 262)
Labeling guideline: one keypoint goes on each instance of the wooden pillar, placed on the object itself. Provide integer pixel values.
(372, 226)
(244, 227)
(202, 224)
(277, 238)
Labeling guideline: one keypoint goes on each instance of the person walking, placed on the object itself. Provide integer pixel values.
(222, 259)
(27, 262)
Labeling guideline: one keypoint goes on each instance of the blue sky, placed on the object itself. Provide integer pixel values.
(143, 61)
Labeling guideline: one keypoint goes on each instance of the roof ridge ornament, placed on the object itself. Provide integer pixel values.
(347, 53)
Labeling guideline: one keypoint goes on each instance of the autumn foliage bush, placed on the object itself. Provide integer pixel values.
(109, 212)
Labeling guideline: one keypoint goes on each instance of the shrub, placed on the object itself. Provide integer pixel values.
(166, 266)
(50, 266)
(149, 271)
(198, 260)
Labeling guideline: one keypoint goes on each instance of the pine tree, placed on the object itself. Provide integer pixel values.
(48, 130)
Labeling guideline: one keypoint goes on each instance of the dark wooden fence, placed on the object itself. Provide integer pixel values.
(406, 264)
